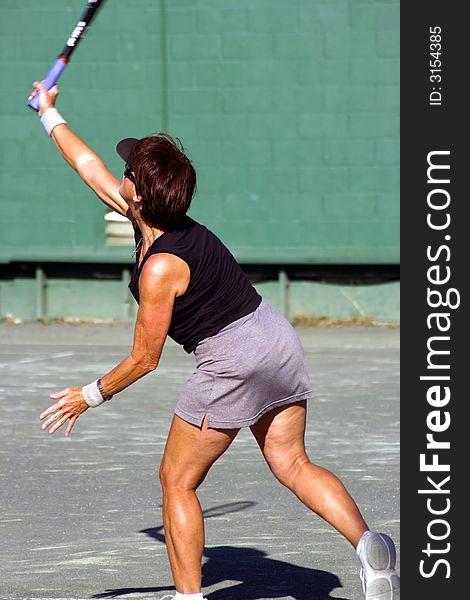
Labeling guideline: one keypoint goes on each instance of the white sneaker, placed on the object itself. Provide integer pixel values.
(378, 556)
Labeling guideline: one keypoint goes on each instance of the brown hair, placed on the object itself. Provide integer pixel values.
(165, 178)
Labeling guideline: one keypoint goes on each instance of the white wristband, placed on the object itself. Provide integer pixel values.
(92, 395)
(51, 118)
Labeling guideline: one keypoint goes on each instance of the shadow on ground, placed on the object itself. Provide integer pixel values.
(252, 574)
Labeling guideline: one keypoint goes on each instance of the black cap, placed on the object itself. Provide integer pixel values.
(125, 149)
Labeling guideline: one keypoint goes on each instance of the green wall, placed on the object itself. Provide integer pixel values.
(288, 108)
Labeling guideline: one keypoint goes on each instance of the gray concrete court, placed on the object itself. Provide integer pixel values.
(81, 517)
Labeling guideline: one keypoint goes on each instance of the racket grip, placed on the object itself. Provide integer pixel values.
(50, 80)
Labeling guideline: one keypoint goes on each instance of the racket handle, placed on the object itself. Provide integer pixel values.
(50, 80)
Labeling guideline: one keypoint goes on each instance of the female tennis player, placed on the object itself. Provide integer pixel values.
(250, 363)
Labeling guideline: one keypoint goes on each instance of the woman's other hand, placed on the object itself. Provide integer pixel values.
(69, 406)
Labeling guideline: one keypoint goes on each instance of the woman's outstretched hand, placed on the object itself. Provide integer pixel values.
(69, 406)
(47, 98)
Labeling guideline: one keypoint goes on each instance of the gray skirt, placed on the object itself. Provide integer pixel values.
(250, 367)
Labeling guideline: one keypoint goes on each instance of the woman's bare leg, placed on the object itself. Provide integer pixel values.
(189, 453)
(280, 435)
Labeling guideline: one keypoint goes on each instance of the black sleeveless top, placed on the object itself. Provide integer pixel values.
(218, 292)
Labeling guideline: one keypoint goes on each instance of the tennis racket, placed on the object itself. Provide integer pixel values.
(63, 59)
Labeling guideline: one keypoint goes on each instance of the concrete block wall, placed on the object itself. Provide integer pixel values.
(291, 111)
(288, 108)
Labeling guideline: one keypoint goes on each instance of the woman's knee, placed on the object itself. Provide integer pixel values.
(164, 475)
(169, 477)
(287, 467)
(173, 479)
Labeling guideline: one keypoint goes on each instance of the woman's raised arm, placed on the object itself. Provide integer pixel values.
(81, 157)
